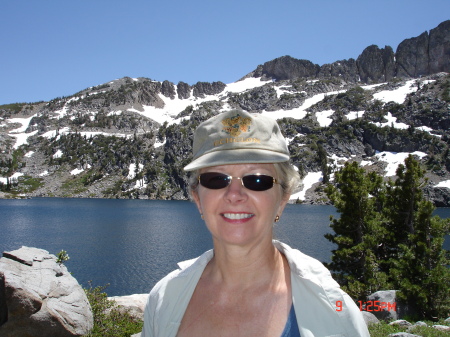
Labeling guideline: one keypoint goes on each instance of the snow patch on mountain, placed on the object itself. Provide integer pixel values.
(394, 159)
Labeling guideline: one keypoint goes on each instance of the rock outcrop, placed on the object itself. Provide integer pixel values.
(168, 89)
(370, 318)
(133, 304)
(387, 297)
(184, 90)
(202, 89)
(39, 297)
(385, 305)
(426, 54)
(287, 68)
(376, 65)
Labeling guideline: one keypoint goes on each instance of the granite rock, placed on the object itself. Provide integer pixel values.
(133, 304)
(39, 297)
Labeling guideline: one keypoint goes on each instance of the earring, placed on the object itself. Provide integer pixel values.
(277, 218)
(201, 215)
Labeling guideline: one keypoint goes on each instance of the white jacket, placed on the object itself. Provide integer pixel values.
(315, 296)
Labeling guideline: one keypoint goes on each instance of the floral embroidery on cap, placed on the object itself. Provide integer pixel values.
(236, 125)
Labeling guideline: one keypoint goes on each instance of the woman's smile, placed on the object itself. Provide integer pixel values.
(237, 216)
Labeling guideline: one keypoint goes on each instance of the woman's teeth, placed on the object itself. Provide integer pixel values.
(237, 216)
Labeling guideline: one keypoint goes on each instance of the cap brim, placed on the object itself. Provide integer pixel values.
(241, 156)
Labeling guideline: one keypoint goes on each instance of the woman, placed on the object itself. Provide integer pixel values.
(249, 284)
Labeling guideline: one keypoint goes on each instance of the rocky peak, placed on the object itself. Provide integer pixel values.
(168, 89)
(347, 70)
(376, 65)
(423, 55)
(286, 68)
(184, 90)
(439, 48)
(205, 88)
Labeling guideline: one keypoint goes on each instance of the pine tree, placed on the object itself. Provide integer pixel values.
(358, 197)
(323, 161)
(404, 196)
(417, 259)
(387, 236)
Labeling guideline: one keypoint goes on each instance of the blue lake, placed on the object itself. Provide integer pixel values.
(131, 244)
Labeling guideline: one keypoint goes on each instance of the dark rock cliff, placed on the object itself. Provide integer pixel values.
(424, 55)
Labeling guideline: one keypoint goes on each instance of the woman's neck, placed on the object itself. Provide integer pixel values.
(246, 266)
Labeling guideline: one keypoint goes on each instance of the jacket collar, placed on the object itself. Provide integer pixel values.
(203, 259)
(301, 264)
(200, 261)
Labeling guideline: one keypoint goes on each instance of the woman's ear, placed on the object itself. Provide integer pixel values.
(283, 203)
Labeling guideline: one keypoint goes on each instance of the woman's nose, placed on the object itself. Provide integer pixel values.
(236, 191)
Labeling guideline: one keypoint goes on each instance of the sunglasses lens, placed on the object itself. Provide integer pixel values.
(258, 182)
(214, 180)
(254, 182)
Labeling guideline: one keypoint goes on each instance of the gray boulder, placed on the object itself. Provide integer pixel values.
(386, 306)
(133, 304)
(418, 324)
(401, 323)
(370, 318)
(39, 297)
(388, 297)
(442, 327)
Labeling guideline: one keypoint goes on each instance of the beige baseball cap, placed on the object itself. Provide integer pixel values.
(237, 137)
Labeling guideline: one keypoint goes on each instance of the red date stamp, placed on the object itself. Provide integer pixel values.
(371, 306)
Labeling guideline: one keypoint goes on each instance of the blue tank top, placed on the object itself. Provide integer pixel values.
(291, 327)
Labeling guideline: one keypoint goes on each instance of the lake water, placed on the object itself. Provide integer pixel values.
(131, 244)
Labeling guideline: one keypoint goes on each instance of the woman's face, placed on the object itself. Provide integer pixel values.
(236, 215)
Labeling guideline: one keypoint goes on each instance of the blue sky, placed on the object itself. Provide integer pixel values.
(55, 48)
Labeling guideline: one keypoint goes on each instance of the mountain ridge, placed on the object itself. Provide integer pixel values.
(130, 138)
(415, 57)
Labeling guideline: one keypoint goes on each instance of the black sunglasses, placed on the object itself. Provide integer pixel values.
(254, 182)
